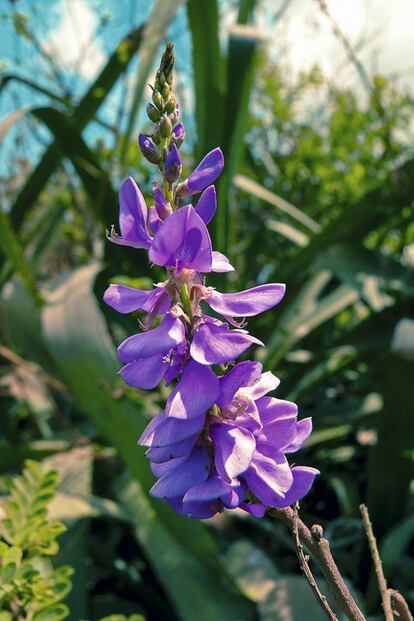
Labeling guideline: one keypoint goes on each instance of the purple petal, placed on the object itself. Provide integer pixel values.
(133, 215)
(233, 449)
(207, 204)
(205, 174)
(243, 374)
(183, 475)
(236, 495)
(303, 478)
(211, 489)
(178, 130)
(269, 479)
(194, 394)
(127, 299)
(163, 431)
(154, 221)
(246, 303)
(266, 383)
(160, 340)
(279, 425)
(179, 449)
(213, 344)
(199, 510)
(303, 431)
(220, 263)
(182, 241)
(144, 374)
(254, 508)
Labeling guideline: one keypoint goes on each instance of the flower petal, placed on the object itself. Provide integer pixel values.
(146, 373)
(133, 215)
(183, 475)
(269, 479)
(266, 383)
(182, 241)
(160, 340)
(303, 478)
(207, 204)
(179, 449)
(127, 299)
(206, 173)
(213, 344)
(194, 394)
(303, 431)
(242, 374)
(233, 449)
(246, 303)
(220, 263)
(211, 489)
(163, 431)
(279, 425)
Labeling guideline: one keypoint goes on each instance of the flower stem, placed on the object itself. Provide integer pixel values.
(185, 301)
(382, 583)
(318, 548)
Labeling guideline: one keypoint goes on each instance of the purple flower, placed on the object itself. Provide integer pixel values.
(162, 206)
(173, 165)
(204, 175)
(220, 442)
(148, 149)
(133, 214)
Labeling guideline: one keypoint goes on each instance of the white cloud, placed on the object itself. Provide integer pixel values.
(73, 43)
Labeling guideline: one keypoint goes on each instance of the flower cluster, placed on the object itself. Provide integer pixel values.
(220, 441)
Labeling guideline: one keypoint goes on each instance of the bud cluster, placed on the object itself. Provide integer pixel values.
(161, 146)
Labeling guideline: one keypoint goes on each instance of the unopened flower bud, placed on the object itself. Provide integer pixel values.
(165, 126)
(162, 206)
(170, 104)
(156, 137)
(166, 91)
(173, 165)
(153, 113)
(178, 135)
(148, 149)
(158, 100)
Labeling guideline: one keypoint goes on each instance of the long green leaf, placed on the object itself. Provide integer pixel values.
(243, 44)
(208, 72)
(255, 189)
(12, 250)
(83, 113)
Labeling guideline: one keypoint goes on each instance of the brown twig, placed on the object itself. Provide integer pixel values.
(399, 606)
(304, 565)
(382, 583)
(318, 548)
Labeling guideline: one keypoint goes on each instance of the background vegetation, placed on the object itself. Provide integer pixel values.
(319, 197)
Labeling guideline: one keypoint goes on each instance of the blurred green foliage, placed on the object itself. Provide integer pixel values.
(318, 193)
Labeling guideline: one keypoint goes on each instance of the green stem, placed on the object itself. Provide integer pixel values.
(186, 302)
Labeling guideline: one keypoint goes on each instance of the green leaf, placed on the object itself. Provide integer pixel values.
(13, 251)
(241, 56)
(208, 72)
(56, 612)
(255, 189)
(83, 113)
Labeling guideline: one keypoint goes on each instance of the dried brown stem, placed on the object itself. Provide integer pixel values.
(399, 606)
(382, 583)
(18, 361)
(318, 548)
(304, 565)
